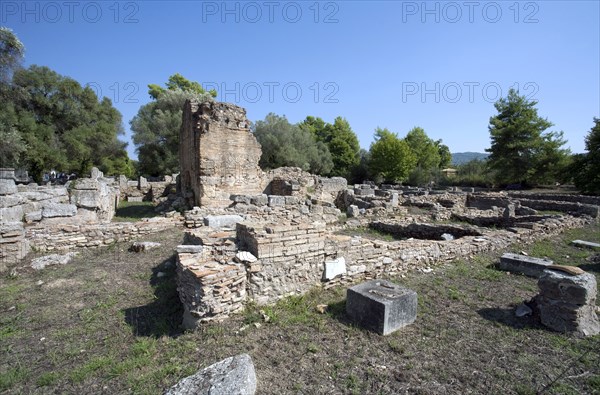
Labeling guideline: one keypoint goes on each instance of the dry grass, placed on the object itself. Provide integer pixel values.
(107, 323)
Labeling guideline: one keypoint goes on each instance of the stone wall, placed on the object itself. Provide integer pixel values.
(218, 154)
(65, 237)
(557, 197)
(291, 258)
(25, 208)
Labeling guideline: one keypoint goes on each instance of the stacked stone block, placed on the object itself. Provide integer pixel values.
(290, 258)
(567, 303)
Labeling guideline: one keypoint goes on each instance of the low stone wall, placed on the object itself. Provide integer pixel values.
(13, 244)
(487, 201)
(557, 197)
(69, 236)
(293, 258)
(564, 207)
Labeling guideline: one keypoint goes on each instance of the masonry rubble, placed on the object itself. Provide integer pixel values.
(293, 257)
(567, 302)
(260, 236)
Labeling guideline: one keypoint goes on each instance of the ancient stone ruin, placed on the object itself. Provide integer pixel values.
(258, 236)
(218, 154)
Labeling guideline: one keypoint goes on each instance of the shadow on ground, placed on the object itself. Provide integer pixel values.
(506, 316)
(593, 265)
(162, 317)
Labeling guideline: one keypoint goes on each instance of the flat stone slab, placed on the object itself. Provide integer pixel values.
(52, 260)
(245, 256)
(527, 265)
(381, 306)
(334, 268)
(222, 221)
(189, 249)
(585, 244)
(231, 376)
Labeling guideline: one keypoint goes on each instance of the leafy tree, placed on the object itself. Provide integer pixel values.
(474, 173)
(62, 125)
(340, 140)
(156, 126)
(390, 157)
(431, 156)
(586, 167)
(520, 151)
(284, 144)
(362, 172)
(425, 149)
(445, 155)
(11, 53)
(178, 82)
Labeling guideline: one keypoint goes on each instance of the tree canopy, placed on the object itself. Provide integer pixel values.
(521, 152)
(284, 144)
(390, 157)
(586, 167)
(155, 128)
(340, 140)
(11, 53)
(54, 122)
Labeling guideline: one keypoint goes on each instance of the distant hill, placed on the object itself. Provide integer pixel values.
(459, 158)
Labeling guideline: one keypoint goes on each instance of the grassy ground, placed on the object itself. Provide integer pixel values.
(133, 211)
(109, 323)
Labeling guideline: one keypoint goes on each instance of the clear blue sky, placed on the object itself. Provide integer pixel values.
(394, 64)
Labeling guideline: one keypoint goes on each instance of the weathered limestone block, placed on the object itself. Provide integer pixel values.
(334, 268)
(96, 173)
(14, 246)
(381, 306)
(586, 244)
(11, 214)
(95, 194)
(231, 376)
(7, 187)
(522, 264)
(222, 221)
(51, 210)
(260, 200)
(275, 201)
(567, 303)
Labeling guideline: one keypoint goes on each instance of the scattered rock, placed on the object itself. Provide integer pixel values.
(447, 237)
(232, 376)
(140, 246)
(321, 308)
(51, 260)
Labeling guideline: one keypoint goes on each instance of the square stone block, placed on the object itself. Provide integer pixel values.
(381, 306)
